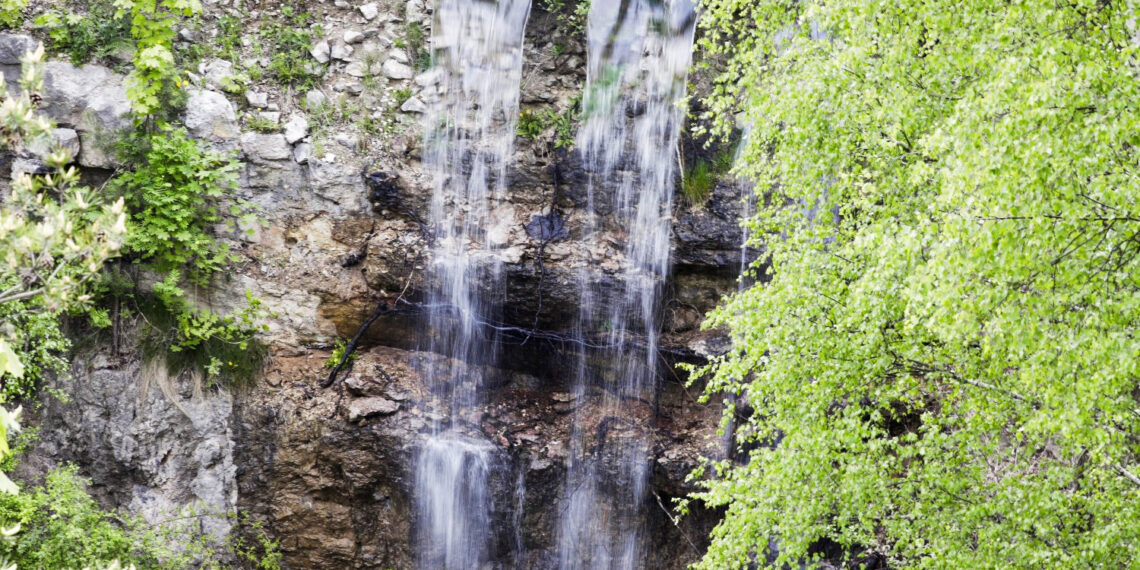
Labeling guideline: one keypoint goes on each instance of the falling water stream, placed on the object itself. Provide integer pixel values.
(639, 55)
(471, 129)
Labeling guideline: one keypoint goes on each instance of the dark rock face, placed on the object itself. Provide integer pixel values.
(337, 491)
(330, 472)
(711, 237)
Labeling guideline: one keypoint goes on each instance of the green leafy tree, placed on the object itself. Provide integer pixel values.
(54, 239)
(940, 368)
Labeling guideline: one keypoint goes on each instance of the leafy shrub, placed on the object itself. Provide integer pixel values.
(176, 194)
(12, 12)
(223, 347)
(61, 526)
(86, 37)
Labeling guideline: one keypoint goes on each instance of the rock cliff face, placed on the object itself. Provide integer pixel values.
(329, 471)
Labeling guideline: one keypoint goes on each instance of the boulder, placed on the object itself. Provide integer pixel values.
(210, 116)
(14, 46)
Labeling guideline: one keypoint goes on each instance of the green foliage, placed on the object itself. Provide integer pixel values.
(85, 37)
(61, 526)
(699, 181)
(153, 25)
(261, 124)
(402, 95)
(416, 44)
(572, 16)
(54, 238)
(289, 36)
(941, 367)
(12, 12)
(37, 341)
(530, 124)
(177, 193)
(562, 126)
(223, 347)
(338, 354)
(227, 44)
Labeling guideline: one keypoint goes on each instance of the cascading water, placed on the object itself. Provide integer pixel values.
(639, 56)
(471, 129)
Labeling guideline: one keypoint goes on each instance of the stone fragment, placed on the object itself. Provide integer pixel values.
(257, 99)
(315, 98)
(353, 37)
(341, 51)
(361, 408)
(302, 153)
(393, 69)
(414, 105)
(370, 11)
(321, 51)
(399, 55)
(355, 88)
(348, 140)
(296, 129)
(271, 116)
(428, 78)
(217, 73)
(355, 69)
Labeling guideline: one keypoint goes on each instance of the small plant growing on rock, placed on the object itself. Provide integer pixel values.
(338, 355)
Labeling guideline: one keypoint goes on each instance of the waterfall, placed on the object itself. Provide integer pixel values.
(639, 56)
(471, 128)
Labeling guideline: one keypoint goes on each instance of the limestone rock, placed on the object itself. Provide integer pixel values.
(370, 11)
(210, 116)
(302, 152)
(315, 98)
(296, 129)
(413, 105)
(341, 51)
(258, 99)
(399, 55)
(361, 408)
(321, 51)
(355, 69)
(14, 46)
(217, 73)
(265, 146)
(353, 37)
(91, 99)
(393, 69)
(66, 139)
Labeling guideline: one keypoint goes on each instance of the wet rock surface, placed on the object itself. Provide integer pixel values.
(330, 471)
